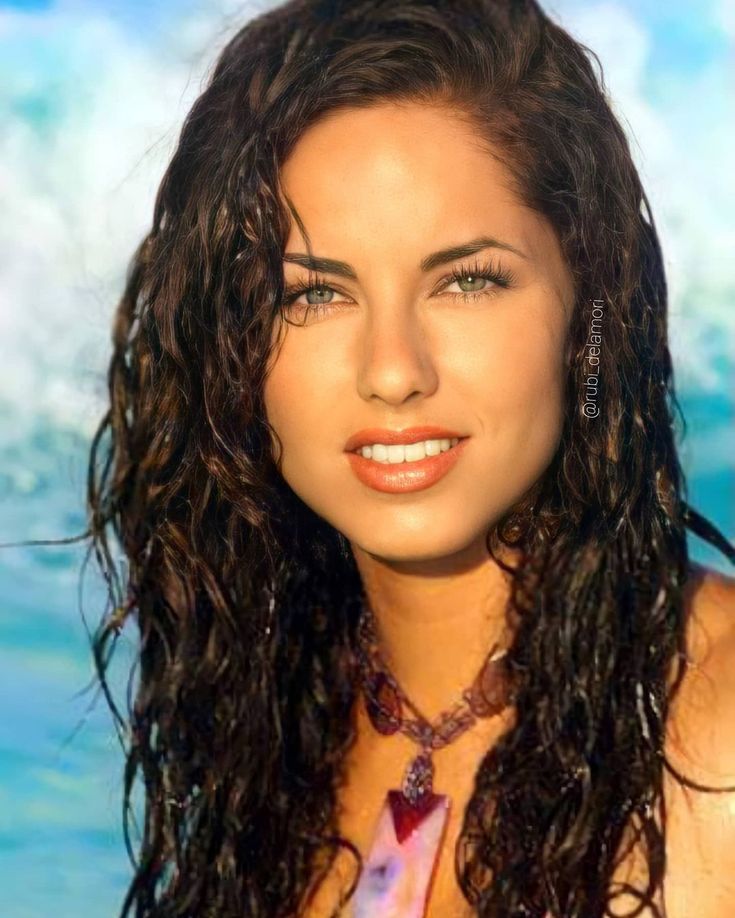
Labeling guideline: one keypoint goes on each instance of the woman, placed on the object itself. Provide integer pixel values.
(411, 233)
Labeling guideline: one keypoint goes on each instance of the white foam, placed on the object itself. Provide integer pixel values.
(78, 186)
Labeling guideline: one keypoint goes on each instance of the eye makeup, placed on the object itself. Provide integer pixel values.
(501, 278)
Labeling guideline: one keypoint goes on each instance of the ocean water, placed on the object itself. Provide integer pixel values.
(60, 782)
(84, 142)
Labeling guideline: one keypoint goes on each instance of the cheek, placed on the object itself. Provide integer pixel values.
(297, 396)
(280, 393)
(519, 368)
(520, 419)
(534, 405)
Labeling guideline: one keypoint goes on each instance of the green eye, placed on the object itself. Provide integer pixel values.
(500, 277)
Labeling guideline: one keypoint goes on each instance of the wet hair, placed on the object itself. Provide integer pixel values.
(245, 602)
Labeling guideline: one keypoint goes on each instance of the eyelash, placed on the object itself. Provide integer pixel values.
(501, 277)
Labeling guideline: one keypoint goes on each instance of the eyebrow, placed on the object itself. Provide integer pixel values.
(442, 257)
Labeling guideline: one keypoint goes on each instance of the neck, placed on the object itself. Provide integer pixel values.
(436, 624)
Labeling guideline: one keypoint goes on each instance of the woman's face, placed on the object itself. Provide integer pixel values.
(398, 346)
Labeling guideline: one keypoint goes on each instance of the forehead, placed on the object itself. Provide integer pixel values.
(361, 179)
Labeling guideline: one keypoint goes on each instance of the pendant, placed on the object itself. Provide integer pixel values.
(401, 863)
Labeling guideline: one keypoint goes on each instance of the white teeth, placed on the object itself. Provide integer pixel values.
(412, 452)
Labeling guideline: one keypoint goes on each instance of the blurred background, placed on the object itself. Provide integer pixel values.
(92, 96)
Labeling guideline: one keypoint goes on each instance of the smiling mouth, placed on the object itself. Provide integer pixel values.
(381, 453)
(402, 477)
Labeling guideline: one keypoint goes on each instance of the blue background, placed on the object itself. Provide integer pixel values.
(91, 100)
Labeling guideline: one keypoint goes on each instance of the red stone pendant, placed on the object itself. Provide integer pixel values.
(406, 816)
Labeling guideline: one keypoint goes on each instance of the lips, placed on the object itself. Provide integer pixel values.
(405, 477)
(408, 435)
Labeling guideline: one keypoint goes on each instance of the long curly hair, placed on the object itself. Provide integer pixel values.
(246, 602)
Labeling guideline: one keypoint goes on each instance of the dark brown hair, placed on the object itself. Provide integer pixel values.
(246, 602)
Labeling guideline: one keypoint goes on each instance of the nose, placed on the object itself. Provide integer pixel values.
(396, 360)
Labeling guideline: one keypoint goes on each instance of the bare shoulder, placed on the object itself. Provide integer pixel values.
(709, 598)
(700, 745)
(702, 718)
(711, 595)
